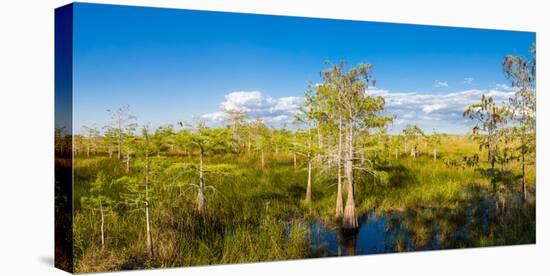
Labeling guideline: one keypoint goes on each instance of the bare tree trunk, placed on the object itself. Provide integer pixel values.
(128, 161)
(493, 180)
(523, 184)
(308, 191)
(102, 225)
(88, 150)
(309, 160)
(201, 201)
(201, 198)
(339, 203)
(294, 156)
(435, 154)
(263, 158)
(396, 154)
(110, 152)
(147, 215)
(350, 218)
(345, 163)
(148, 225)
(119, 145)
(339, 200)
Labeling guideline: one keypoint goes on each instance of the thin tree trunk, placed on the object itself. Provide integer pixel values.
(523, 184)
(308, 191)
(128, 161)
(119, 151)
(88, 150)
(102, 225)
(294, 156)
(148, 225)
(147, 215)
(201, 201)
(435, 154)
(339, 203)
(201, 198)
(350, 218)
(493, 173)
(263, 158)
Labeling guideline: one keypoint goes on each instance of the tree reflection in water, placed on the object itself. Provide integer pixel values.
(501, 218)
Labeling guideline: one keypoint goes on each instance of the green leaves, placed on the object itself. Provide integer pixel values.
(210, 140)
(99, 193)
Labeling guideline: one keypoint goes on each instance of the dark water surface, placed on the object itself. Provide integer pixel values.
(419, 229)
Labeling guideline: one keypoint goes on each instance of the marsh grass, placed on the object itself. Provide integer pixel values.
(259, 215)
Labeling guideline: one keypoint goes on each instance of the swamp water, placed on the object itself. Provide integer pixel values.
(423, 228)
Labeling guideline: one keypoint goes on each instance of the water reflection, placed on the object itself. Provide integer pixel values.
(485, 221)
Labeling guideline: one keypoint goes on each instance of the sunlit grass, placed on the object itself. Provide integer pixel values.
(257, 214)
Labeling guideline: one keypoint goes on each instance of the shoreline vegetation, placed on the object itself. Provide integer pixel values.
(187, 194)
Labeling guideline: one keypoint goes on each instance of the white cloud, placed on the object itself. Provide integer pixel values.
(244, 101)
(440, 111)
(435, 110)
(504, 87)
(409, 115)
(468, 80)
(214, 117)
(288, 103)
(439, 84)
(433, 107)
(274, 111)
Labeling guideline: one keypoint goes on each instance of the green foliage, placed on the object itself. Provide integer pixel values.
(256, 213)
(163, 139)
(98, 193)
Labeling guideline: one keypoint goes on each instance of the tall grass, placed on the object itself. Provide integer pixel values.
(257, 214)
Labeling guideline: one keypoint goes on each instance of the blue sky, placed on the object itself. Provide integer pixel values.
(171, 65)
